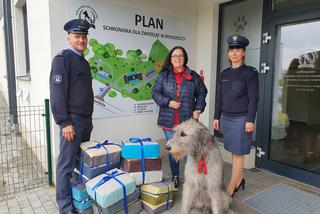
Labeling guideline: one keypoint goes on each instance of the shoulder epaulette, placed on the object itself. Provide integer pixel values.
(252, 68)
(225, 69)
(62, 52)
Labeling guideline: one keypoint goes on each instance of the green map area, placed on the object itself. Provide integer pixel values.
(133, 75)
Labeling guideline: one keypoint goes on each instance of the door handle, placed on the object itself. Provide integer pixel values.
(264, 68)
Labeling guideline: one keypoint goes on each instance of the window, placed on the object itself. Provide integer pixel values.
(1, 9)
(26, 38)
(281, 5)
(22, 56)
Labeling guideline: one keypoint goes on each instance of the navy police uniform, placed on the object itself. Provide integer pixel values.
(236, 102)
(71, 98)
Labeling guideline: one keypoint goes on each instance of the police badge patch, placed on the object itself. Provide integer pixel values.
(57, 79)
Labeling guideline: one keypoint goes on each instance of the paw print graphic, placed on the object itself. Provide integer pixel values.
(240, 24)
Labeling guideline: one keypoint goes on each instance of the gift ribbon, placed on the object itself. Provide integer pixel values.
(109, 176)
(168, 195)
(98, 146)
(202, 164)
(141, 141)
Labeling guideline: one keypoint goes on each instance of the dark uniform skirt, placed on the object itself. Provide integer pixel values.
(236, 139)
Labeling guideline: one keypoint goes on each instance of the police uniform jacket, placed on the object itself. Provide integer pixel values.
(237, 93)
(70, 87)
(192, 96)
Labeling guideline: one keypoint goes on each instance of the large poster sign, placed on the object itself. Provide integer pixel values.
(126, 50)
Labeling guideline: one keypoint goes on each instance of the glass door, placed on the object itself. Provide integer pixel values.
(295, 128)
(289, 136)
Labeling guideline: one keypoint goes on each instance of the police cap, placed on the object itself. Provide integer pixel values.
(237, 41)
(77, 26)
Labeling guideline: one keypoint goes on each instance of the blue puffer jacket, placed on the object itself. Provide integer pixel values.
(192, 96)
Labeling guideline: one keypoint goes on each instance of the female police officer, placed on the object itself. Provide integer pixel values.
(236, 103)
(71, 98)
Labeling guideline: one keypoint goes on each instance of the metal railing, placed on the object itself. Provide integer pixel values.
(25, 150)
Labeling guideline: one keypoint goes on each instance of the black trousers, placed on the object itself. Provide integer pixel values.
(67, 160)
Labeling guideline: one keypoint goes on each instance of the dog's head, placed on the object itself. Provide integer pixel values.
(190, 139)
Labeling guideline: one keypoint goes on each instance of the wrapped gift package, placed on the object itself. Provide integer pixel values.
(158, 188)
(106, 190)
(91, 172)
(132, 150)
(83, 205)
(151, 209)
(81, 200)
(156, 199)
(131, 198)
(87, 211)
(79, 192)
(157, 193)
(150, 177)
(94, 154)
(134, 165)
(134, 208)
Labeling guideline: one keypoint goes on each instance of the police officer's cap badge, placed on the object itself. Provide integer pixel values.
(57, 79)
(234, 38)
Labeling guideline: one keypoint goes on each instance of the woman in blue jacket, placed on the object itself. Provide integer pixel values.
(180, 94)
(236, 103)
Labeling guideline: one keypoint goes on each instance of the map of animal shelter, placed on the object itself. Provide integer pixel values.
(126, 51)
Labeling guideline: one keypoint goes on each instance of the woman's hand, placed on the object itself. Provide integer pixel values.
(249, 127)
(216, 124)
(196, 114)
(68, 133)
(174, 104)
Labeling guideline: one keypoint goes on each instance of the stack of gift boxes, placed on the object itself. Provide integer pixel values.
(81, 200)
(114, 190)
(142, 161)
(96, 162)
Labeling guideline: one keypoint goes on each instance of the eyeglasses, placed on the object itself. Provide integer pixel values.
(177, 56)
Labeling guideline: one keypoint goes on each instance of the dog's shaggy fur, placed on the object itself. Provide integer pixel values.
(193, 139)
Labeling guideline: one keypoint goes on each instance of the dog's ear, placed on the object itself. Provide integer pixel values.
(203, 135)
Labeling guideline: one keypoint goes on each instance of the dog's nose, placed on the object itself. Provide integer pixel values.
(168, 147)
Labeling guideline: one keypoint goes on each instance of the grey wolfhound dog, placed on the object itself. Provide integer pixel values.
(203, 187)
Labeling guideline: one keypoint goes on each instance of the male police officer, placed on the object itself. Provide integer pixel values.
(71, 98)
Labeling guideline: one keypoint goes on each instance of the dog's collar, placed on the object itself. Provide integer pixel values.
(202, 164)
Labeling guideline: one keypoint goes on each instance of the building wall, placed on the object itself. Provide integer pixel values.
(46, 38)
(3, 64)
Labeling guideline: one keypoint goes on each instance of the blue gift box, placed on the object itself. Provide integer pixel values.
(109, 188)
(136, 148)
(79, 192)
(91, 172)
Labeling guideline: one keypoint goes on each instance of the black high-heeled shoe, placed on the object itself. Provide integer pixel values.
(242, 183)
(234, 191)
